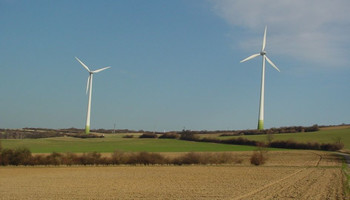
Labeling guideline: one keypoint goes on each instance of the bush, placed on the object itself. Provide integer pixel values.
(24, 157)
(6, 157)
(332, 146)
(54, 159)
(118, 158)
(39, 160)
(169, 136)
(221, 158)
(188, 158)
(188, 135)
(92, 158)
(20, 156)
(149, 135)
(84, 136)
(290, 144)
(70, 159)
(259, 157)
(312, 128)
(206, 158)
(242, 141)
(146, 158)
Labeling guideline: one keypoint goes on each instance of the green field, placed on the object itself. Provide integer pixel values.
(113, 142)
(325, 135)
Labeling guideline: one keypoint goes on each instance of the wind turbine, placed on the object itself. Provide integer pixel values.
(264, 57)
(89, 88)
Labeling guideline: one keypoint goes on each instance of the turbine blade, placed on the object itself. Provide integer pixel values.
(88, 84)
(271, 63)
(96, 71)
(250, 57)
(264, 40)
(83, 64)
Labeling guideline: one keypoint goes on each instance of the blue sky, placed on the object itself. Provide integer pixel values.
(175, 64)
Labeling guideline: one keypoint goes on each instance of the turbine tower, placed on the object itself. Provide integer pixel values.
(264, 57)
(89, 88)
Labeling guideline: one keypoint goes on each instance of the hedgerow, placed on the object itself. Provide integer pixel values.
(286, 144)
(24, 157)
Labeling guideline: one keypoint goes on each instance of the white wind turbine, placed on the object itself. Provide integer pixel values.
(264, 57)
(89, 88)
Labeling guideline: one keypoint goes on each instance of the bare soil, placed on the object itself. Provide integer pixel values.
(286, 175)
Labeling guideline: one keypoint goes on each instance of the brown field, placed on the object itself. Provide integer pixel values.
(286, 175)
(335, 127)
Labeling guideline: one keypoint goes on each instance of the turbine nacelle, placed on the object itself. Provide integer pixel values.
(263, 53)
(90, 72)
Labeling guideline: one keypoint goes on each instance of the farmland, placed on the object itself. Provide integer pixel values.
(329, 134)
(114, 142)
(297, 174)
(288, 174)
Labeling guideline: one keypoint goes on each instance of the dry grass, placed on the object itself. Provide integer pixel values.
(286, 175)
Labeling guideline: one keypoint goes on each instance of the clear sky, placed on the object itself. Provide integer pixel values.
(175, 64)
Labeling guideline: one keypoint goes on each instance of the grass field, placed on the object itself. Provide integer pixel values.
(114, 142)
(325, 135)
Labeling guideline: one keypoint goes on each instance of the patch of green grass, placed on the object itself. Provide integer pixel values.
(114, 142)
(322, 136)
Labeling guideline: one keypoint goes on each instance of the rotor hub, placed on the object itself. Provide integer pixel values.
(263, 53)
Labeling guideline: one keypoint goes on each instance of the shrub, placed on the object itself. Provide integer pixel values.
(188, 158)
(149, 135)
(332, 146)
(118, 157)
(70, 159)
(146, 158)
(92, 158)
(23, 157)
(242, 141)
(228, 134)
(312, 128)
(212, 140)
(290, 144)
(20, 156)
(39, 160)
(169, 136)
(206, 158)
(221, 158)
(188, 135)
(54, 159)
(6, 156)
(84, 136)
(259, 157)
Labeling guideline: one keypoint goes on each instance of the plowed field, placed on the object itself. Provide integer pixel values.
(286, 175)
